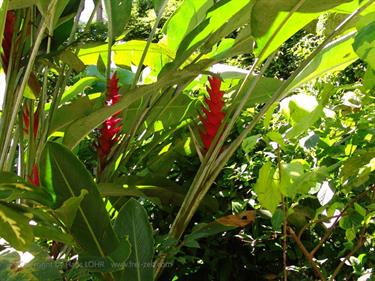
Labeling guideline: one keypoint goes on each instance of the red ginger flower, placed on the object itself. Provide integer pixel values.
(110, 130)
(26, 121)
(214, 114)
(7, 38)
(34, 177)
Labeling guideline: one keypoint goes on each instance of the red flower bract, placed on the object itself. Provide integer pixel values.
(108, 134)
(7, 38)
(214, 114)
(34, 177)
(26, 121)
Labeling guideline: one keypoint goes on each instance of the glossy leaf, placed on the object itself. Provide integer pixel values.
(132, 221)
(267, 188)
(77, 88)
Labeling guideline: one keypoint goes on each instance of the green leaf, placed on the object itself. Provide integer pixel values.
(268, 16)
(334, 57)
(222, 19)
(277, 219)
(50, 232)
(78, 88)
(13, 187)
(118, 12)
(267, 188)
(80, 128)
(15, 227)
(189, 15)
(132, 221)
(68, 211)
(369, 79)
(290, 174)
(65, 177)
(204, 230)
(43, 6)
(72, 60)
(249, 143)
(151, 187)
(19, 4)
(364, 44)
(68, 113)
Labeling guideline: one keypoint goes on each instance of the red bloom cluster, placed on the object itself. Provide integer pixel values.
(34, 177)
(7, 38)
(214, 114)
(110, 130)
(26, 121)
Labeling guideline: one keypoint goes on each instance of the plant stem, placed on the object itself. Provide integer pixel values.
(306, 253)
(148, 44)
(21, 89)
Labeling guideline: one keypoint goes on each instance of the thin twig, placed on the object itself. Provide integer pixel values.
(306, 253)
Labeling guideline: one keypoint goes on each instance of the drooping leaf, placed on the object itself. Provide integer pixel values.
(132, 221)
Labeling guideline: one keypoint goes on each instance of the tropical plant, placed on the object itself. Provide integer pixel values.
(92, 134)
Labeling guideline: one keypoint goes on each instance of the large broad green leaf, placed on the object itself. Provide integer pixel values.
(118, 12)
(189, 15)
(222, 19)
(364, 44)
(334, 57)
(268, 16)
(267, 188)
(132, 221)
(129, 53)
(3, 17)
(65, 177)
(68, 113)
(15, 227)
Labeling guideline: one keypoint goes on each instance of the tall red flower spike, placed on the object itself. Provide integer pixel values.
(7, 39)
(214, 114)
(34, 177)
(26, 121)
(109, 132)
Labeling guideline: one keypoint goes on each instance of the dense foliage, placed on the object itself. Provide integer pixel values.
(188, 140)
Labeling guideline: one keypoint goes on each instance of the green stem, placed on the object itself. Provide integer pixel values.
(21, 89)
